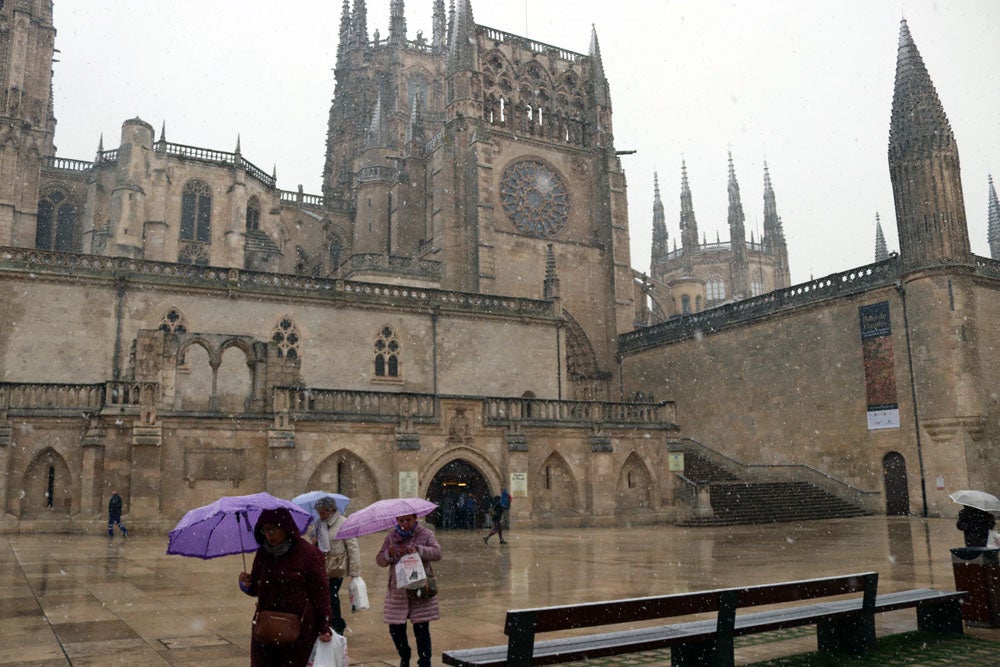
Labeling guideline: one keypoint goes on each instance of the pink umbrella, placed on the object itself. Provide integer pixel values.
(381, 515)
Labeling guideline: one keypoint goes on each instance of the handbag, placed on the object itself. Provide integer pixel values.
(359, 594)
(276, 627)
(425, 592)
(336, 565)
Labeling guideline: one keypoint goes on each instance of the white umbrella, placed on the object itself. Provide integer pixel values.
(978, 499)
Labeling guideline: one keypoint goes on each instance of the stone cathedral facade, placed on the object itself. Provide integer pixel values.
(455, 312)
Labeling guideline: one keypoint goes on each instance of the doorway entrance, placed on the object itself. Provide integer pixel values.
(462, 495)
(897, 492)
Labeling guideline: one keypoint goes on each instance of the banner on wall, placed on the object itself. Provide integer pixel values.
(880, 366)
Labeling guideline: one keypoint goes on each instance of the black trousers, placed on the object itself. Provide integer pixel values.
(422, 632)
(337, 622)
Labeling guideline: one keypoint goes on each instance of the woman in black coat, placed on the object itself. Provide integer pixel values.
(976, 524)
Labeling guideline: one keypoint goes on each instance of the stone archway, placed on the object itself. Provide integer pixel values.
(459, 479)
(48, 486)
(555, 494)
(345, 473)
(897, 492)
(634, 490)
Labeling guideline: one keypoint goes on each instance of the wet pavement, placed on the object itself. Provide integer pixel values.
(88, 600)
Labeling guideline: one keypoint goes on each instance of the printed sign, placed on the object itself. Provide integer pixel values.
(408, 487)
(675, 462)
(879, 365)
(519, 485)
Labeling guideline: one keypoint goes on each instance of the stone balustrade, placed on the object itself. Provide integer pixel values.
(76, 398)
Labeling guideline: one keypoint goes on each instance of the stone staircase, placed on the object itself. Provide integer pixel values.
(738, 501)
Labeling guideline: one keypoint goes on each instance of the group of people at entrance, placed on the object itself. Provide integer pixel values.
(303, 576)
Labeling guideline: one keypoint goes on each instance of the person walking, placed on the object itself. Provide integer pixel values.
(343, 557)
(115, 515)
(409, 537)
(501, 504)
(288, 575)
(975, 525)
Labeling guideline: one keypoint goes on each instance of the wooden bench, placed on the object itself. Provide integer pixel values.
(845, 625)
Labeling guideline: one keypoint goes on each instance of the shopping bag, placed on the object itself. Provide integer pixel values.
(359, 594)
(410, 572)
(329, 654)
(993, 542)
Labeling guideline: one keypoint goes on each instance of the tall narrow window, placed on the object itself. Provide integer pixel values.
(50, 489)
(387, 351)
(715, 289)
(286, 338)
(56, 228)
(253, 214)
(685, 304)
(196, 212)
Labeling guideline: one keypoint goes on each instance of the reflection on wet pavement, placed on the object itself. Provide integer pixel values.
(87, 600)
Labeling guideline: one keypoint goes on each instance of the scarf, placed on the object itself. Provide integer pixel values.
(279, 550)
(323, 535)
(404, 534)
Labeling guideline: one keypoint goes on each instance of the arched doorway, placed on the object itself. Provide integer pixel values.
(462, 495)
(897, 492)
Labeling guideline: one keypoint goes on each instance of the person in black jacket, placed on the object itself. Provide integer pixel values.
(115, 515)
(976, 524)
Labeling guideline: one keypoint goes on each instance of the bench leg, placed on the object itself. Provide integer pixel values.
(701, 654)
(853, 635)
(943, 617)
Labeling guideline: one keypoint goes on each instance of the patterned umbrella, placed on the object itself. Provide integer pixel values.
(381, 515)
(225, 527)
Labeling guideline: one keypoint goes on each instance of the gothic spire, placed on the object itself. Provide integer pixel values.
(451, 19)
(689, 225)
(163, 131)
(397, 22)
(773, 233)
(359, 25)
(345, 30)
(924, 168)
(660, 248)
(461, 50)
(415, 130)
(440, 27)
(550, 289)
(737, 230)
(881, 251)
(993, 216)
(599, 82)
(376, 135)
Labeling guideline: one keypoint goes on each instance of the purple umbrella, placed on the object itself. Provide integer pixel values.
(382, 514)
(225, 527)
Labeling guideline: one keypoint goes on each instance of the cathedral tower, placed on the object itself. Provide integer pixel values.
(27, 123)
(924, 168)
(737, 237)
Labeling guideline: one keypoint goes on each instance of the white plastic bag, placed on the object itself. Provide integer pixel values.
(329, 654)
(359, 594)
(994, 540)
(410, 572)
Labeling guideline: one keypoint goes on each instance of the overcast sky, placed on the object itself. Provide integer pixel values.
(806, 86)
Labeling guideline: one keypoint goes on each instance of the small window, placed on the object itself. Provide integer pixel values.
(685, 304)
(173, 322)
(253, 214)
(387, 352)
(715, 289)
(286, 338)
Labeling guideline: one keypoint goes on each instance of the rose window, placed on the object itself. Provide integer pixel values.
(534, 197)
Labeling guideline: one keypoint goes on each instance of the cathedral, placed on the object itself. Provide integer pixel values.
(457, 311)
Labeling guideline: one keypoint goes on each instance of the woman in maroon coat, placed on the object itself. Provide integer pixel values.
(288, 575)
(409, 537)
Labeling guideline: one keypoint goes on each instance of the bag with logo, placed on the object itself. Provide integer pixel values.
(410, 572)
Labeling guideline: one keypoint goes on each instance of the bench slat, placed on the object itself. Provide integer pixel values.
(679, 634)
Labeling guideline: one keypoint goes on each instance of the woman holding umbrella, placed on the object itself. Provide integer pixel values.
(288, 575)
(409, 537)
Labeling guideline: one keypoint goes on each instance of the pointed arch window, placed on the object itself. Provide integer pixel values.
(253, 214)
(286, 338)
(56, 228)
(173, 322)
(196, 212)
(387, 355)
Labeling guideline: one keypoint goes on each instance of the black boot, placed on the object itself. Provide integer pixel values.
(422, 632)
(398, 634)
